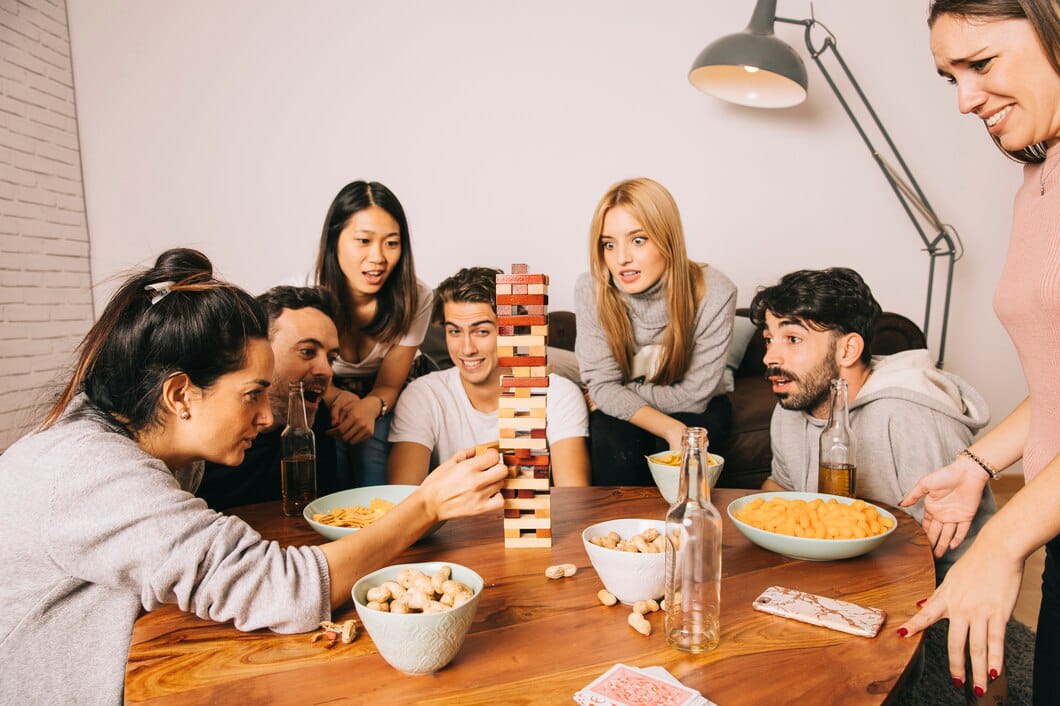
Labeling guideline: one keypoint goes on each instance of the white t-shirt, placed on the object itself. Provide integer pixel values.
(434, 411)
(370, 364)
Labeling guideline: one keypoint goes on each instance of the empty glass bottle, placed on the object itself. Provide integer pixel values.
(837, 469)
(298, 466)
(693, 554)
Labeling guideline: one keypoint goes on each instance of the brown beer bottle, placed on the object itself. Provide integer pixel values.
(837, 468)
(298, 466)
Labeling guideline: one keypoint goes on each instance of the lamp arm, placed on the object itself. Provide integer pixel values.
(944, 242)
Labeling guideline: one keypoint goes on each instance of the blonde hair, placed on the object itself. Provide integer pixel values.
(654, 208)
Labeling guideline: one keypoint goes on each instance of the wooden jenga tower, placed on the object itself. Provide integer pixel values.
(522, 304)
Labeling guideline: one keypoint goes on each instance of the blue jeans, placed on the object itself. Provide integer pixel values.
(364, 464)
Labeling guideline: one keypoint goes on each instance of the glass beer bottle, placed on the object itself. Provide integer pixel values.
(298, 466)
(837, 469)
(693, 554)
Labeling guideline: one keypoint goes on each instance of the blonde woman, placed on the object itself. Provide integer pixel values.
(653, 332)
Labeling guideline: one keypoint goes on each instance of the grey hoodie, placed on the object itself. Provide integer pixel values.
(93, 530)
(908, 419)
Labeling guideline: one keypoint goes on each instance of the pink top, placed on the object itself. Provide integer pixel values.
(1027, 302)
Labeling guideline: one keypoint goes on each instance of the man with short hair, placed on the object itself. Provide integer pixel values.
(446, 411)
(304, 342)
(908, 417)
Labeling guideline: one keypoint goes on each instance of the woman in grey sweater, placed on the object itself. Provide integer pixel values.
(97, 516)
(653, 333)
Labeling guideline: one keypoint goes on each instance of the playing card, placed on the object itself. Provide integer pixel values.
(629, 686)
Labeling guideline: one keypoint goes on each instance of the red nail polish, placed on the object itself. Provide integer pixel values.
(902, 632)
(993, 674)
(979, 691)
(921, 602)
(958, 683)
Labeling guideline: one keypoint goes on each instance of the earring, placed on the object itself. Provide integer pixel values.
(185, 414)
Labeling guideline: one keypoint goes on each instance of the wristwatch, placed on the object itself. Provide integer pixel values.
(383, 406)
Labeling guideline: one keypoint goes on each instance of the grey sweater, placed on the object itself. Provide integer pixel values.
(649, 318)
(92, 530)
(908, 419)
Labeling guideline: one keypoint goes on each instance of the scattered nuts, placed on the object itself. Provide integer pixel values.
(554, 572)
(416, 592)
(648, 542)
(639, 623)
(605, 597)
(648, 606)
(569, 570)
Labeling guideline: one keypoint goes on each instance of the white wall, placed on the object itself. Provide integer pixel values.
(45, 300)
(230, 125)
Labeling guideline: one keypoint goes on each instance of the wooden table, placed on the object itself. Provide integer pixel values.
(535, 640)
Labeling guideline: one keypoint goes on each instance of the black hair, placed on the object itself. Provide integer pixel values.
(471, 284)
(283, 297)
(397, 300)
(173, 318)
(836, 299)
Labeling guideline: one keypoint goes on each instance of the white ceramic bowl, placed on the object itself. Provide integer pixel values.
(668, 477)
(356, 496)
(417, 643)
(630, 576)
(801, 547)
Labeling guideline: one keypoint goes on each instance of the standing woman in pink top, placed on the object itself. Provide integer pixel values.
(1004, 58)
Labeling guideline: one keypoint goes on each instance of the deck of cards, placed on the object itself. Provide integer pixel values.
(631, 686)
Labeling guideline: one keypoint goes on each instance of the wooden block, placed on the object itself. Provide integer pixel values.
(532, 402)
(518, 341)
(529, 522)
(503, 311)
(507, 492)
(524, 484)
(511, 514)
(540, 371)
(522, 392)
(503, 289)
(536, 503)
(535, 310)
(505, 330)
(522, 299)
(524, 443)
(519, 288)
(520, 268)
(524, 492)
(505, 350)
(541, 511)
(537, 434)
(538, 412)
(483, 448)
(507, 433)
(522, 279)
(521, 372)
(537, 350)
(515, 320)
(527, 543)
(539, 330)
(506, 412)
(534, 461)
(522, 423)
(510, 361)
(533, 289)
(542, 472)
(511, 533)
(517, 382)
(544, 532)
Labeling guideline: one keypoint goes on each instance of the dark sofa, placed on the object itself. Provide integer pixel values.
(748, 455)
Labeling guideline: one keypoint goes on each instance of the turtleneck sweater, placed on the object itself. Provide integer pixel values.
(1027, 302)
(649, 318)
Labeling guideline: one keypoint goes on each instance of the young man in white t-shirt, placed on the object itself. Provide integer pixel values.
(450, 410)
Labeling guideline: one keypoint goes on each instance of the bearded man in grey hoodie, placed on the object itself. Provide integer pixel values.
(907, 416)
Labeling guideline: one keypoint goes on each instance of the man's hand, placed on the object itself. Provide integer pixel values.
(951, 498)
(352, 417)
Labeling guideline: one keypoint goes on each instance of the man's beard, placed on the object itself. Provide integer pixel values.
(812, 391)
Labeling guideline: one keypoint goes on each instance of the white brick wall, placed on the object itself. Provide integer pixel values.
(45, 295)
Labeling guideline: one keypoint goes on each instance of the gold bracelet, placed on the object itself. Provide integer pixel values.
(981, 463)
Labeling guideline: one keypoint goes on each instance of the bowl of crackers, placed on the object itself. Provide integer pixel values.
(418, 614)
(629, 557)
(336, 515)
(812, 526)
(665, 468)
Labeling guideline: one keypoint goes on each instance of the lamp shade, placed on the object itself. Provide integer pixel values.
(751, 68)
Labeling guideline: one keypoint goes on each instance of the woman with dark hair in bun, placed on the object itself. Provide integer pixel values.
(97, 516)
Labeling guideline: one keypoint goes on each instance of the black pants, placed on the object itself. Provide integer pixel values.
(1047, 643)
(618, 448)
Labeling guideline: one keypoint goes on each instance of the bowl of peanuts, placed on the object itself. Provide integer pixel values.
(629, 557)
(813, 526)
(665, 468)
(418, 614)
(336, 515)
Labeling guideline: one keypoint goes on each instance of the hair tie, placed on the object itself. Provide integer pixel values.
(161, 289)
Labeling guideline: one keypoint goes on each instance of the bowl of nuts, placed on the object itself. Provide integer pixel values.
(629, 557)
(665, 468)
(418, 614)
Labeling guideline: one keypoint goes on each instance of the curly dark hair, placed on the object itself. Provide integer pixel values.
(836, 299)
(283, 297)
(471, 284)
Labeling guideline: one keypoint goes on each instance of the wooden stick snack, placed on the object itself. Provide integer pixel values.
(522, 318)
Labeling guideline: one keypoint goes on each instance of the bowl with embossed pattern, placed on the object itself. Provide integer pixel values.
(665, 468)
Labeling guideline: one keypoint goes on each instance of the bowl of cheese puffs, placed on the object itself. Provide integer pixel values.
(336, 515)
(812, 526)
